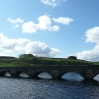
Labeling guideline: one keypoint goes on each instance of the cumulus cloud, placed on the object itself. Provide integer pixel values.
(44, 23)
(91, 55)
(15, 22)
(29, 27)
(92, 35)
(23, 45)
(63, 20)
(52, 3)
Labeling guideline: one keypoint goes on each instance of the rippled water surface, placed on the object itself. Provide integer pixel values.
(25, 88)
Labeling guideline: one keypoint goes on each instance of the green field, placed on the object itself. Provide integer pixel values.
(31, 60)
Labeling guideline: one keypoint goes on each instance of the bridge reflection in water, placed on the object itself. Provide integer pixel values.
(56, 72)
(70, 76)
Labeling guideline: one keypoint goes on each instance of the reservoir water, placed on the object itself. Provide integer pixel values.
(72, 86)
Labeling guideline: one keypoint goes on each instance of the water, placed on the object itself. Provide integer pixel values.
(71, 87)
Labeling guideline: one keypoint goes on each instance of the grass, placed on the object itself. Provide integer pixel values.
(6, 61)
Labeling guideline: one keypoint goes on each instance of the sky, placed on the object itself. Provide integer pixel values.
(50, 28)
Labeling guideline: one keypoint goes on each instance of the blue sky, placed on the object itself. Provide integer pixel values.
(51, 28)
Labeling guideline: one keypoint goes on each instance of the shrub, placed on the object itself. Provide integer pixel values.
(72, 57)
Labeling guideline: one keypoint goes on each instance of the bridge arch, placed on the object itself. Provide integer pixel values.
(16, 73)
(42, 74)
(96, 77)
(3, 73)
(23, 74)
(20, 73)
(72, 76)
(87, 72)
(78, 72)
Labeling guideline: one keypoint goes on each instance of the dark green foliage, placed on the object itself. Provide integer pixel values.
(72, 57)
(28, 58)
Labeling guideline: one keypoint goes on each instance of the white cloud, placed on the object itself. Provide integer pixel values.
(92, 35)
(44, 23)
(15, 21)
(91, 55)
(63, 20)
(29, 27)
(23, 45)
(52, 3)
(54, 28)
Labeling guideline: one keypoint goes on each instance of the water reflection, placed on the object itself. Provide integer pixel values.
(23, 75)
(7, 74)
(44, 75)
(72, 76)
(96, 77)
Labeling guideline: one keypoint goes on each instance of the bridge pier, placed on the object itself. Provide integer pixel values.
(33, 73)
(13, 73)
(90, 74)
(54, 74)
(30, 73)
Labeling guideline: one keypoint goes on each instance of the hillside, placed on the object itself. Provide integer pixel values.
(31, 60)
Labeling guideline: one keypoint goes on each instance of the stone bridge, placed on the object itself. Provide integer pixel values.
(86, 71)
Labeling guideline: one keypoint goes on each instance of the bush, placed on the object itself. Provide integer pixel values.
(72, 57)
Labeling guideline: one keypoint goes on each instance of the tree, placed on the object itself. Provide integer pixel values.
(72, 57)
(29, 58)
